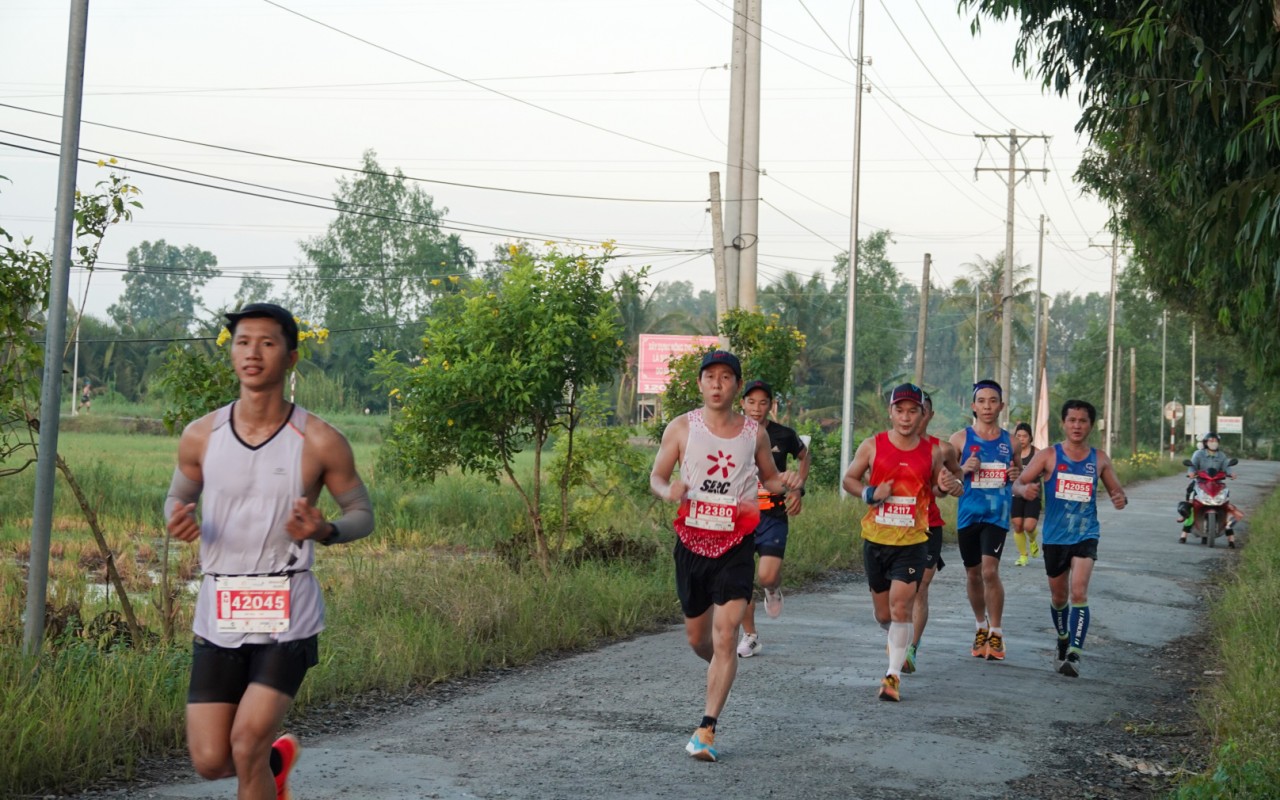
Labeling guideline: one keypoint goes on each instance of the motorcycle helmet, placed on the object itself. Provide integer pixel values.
(1211, 436)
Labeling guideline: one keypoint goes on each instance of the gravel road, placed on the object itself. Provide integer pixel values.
(803, 720)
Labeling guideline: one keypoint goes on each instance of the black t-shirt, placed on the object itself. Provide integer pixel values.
(783, 442)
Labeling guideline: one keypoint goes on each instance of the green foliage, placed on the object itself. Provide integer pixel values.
(377, 269)
(767, 348)
(500, 370)
(193, 381)
(162, 284)
(1181, 101)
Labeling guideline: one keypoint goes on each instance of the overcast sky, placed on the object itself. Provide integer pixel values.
(581, 97)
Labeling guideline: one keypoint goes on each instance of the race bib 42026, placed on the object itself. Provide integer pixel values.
(990, 475)
(252, 603)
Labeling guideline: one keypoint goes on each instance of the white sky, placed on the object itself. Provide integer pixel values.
(236, 73)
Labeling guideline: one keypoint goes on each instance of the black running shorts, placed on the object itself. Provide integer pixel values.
(221, 674)
(1057, 557)
(886, 563)
(702, 582)
(1025, 509)
(978, 540)
(934, 560)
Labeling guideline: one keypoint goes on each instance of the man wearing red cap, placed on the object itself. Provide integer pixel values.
(719, 452)
(904, 469)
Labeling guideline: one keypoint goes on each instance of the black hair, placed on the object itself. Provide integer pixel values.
(1082, 405)
(1023, 426)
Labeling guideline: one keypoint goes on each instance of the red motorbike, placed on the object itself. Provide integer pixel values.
(1211, 502)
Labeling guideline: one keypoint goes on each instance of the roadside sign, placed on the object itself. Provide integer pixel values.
(1173, 411)
(1230, 424)
(656, 350)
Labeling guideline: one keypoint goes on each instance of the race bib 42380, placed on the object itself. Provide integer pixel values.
(712, 512)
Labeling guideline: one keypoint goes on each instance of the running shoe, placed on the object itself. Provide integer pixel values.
(773, 602)
(1021, 562)
(889, 688)
(1063, 646)
(1071, 665)
(702, 745)
(909, 665)
(979, 644)
(995, 647)
(1035, 549)
(749, 646)
(289, 749)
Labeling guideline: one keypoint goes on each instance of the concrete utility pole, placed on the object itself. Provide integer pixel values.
(1133, 401)
(977, 318)
(742, 190)
(1038, 356)
(921, 327)
(717, 251)
(1006, 328)
(1191, 405)
(846, 411)
(55, 332)
(1111, 343)
(1164, 350)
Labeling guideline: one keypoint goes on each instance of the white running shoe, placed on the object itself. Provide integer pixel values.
(749, 646)
(773, 602)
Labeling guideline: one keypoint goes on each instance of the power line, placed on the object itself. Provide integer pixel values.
(471, 82)
(357, 170)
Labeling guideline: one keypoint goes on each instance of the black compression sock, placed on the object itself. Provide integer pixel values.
(709, 722)
(277, 763)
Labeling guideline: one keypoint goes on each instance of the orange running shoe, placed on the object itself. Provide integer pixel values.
(995, 647)
(979, 644)
(889, 688)
(702, 745)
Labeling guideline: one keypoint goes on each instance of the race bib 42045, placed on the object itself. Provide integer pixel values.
(252, 603)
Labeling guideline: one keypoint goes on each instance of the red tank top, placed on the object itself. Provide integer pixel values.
(903, 518)
(935, 514)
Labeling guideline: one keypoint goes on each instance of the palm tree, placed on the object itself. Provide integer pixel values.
(986, 278)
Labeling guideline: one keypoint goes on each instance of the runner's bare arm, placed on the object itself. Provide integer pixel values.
(664, 464)
(944, 479)
(1015, 469)
(1107, 473)
(970, 464)
(188, 480)
(1027, 486)
(338, 474)
(794, 500)
(853, 483)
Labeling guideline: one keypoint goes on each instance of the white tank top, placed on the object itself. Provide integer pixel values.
(726, 468)
(248, 497)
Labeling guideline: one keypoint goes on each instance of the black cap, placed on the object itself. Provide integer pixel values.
(270, 311)
(721, 357)
(758, 384)
(907, 391)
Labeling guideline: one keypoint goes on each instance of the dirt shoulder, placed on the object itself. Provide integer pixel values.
(803, 720)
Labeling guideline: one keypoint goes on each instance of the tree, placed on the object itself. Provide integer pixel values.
(376, 270)
(162, 284)
(1181, 101)
(501, 371)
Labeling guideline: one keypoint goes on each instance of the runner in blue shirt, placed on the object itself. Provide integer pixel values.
(989, 463)
(1071, 470)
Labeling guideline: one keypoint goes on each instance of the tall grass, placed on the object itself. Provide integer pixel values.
(1240, 708)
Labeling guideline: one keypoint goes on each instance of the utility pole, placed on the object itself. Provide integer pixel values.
(742, 190)
(1111, 340)
(977, 316)
(55, 332)
(1191, 405)
(1014, 147)
(921, 326)
(1038, 357)
(1133, 401)
(851, 300)
(717, 251)
(1164, 351)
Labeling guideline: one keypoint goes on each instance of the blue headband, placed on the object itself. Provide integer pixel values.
(987, 384)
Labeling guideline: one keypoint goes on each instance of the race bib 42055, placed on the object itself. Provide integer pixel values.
(1074, 488)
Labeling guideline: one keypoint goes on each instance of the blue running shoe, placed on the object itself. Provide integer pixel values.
(702, 745)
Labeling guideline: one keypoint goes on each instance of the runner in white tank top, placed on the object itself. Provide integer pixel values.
(258, 466)
(720, 453)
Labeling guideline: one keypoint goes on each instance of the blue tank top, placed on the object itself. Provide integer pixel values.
(986, 497)
(1071, 499)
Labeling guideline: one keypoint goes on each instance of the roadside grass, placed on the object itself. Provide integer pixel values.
(1239, 709)
(1144, 466)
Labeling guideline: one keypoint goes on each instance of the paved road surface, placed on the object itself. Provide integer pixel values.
(803, 720)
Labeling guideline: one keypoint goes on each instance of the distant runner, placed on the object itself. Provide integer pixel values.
(1025, 514)
(904, 468)
(260, 464)
(719, 452)
(771, 533)
(1071, 470)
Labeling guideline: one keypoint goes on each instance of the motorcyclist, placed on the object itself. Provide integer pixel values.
(1207, 458)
